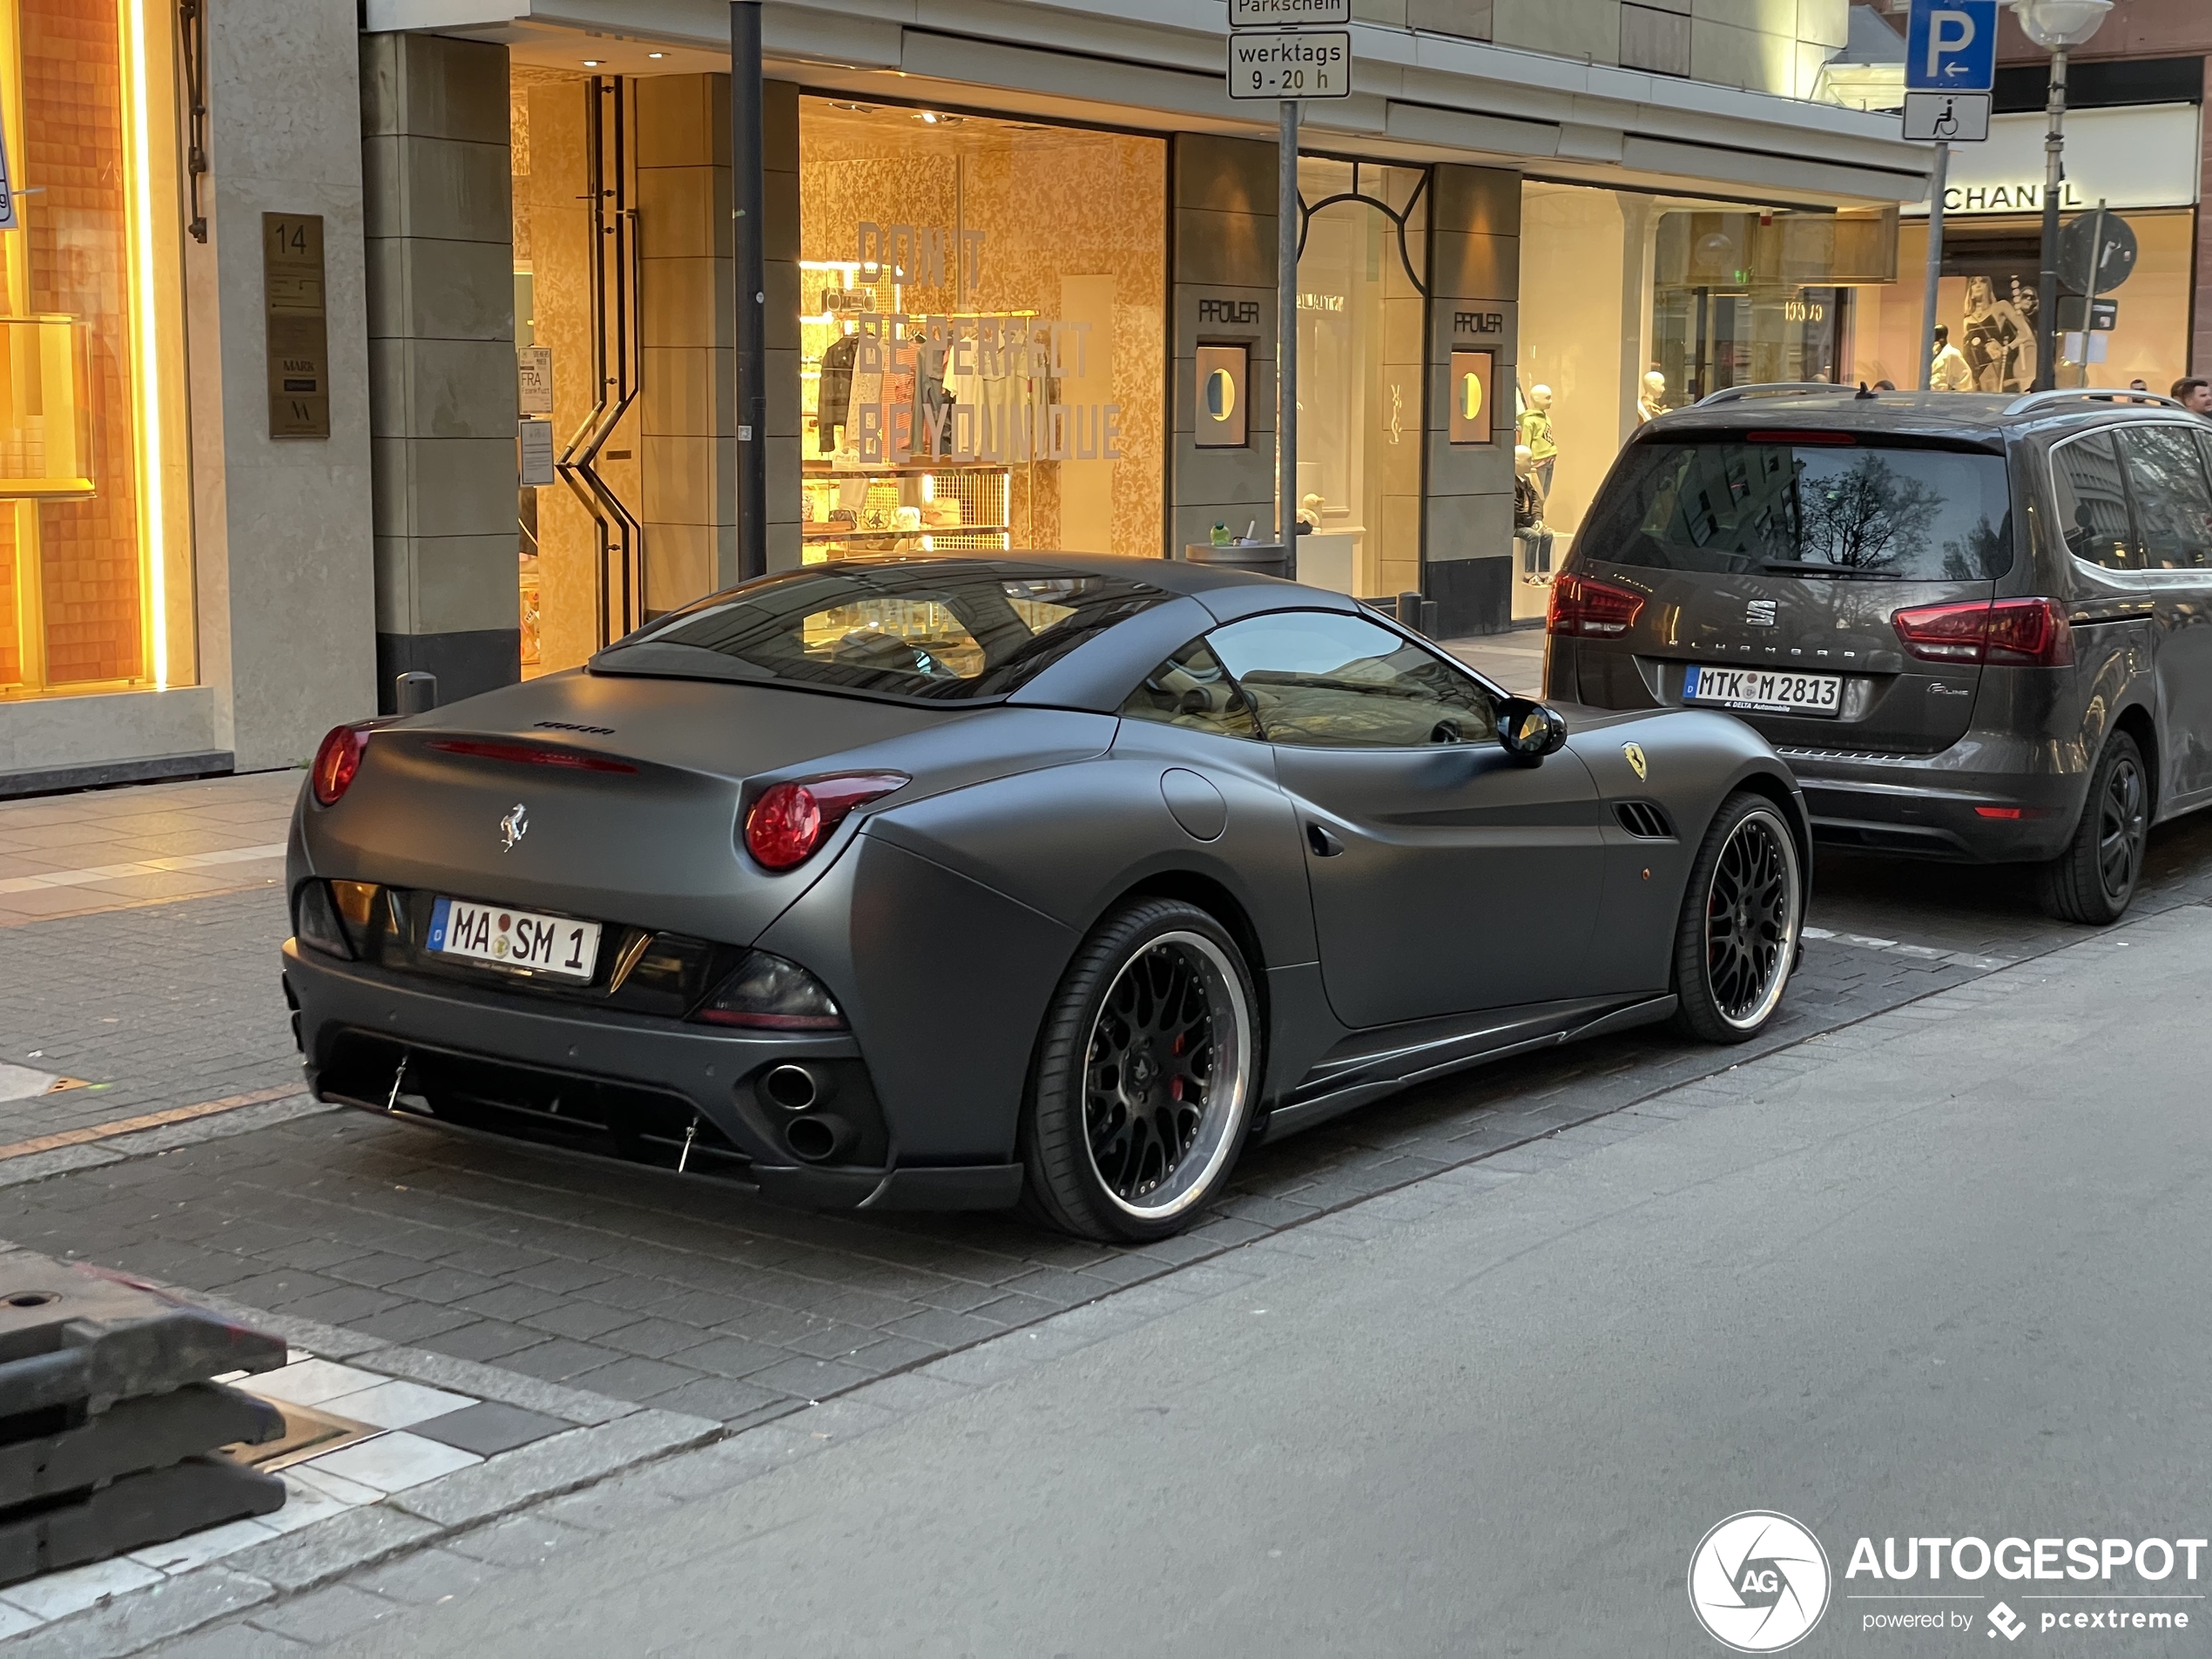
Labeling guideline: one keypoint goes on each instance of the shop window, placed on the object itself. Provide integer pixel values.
(1362, 358)
(95, 573)
(981, 333)
(1987, 296)
(1578, 379)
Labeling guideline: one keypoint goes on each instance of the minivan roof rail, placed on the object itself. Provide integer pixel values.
(1771, 388)
(2041, 399)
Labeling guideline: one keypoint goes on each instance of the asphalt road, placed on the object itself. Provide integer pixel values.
(1940, 1273)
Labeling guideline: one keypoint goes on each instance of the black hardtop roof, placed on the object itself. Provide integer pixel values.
(1170, 575)
(1986, 418)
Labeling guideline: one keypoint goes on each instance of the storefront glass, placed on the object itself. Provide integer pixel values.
(981, 344)
(1584, 314)
(95, 551)
(1360, 373)
(1987, 297)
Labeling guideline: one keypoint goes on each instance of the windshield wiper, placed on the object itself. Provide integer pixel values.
(1816, 567)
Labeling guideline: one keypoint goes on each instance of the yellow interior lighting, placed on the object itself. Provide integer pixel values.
(145, 356)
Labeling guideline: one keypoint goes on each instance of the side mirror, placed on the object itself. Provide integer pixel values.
(1528, 730)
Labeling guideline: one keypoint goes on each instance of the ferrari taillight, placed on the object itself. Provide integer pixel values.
(1583, 604)
(337, 761)
(790, 821)
(2016, 633)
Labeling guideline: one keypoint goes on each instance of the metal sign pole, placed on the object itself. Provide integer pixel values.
(1935, 182)
(2047, 285)
(1287, 214)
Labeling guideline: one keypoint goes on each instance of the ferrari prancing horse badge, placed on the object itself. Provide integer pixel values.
(1635, 753)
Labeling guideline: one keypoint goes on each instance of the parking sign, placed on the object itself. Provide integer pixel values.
(1950, 46)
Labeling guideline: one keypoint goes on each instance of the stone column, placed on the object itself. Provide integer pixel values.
(1474, 285)
(1221, 195)
(279, 525)
(434, 121)
(687, 431)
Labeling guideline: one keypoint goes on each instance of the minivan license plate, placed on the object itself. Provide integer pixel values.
(505, 937)
(1768, 690)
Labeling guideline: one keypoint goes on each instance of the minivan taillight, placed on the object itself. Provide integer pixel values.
(1583, 604)
(337, 761)
(2012, 633)
(790, 821)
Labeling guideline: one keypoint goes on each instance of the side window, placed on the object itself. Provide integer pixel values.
(2172, 504)
(1322, 680)
(2092, 504)
(1190, 689)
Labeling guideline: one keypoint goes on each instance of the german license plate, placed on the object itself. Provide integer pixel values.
(505, 937)
(1772, 691)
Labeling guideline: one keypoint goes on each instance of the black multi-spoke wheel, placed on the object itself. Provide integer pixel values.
(2094, 880)
(1145, 1074)
(1741, 913)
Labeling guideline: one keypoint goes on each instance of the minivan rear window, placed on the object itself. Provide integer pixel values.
(1823, 509)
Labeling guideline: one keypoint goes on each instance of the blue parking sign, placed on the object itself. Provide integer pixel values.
(1950, 46)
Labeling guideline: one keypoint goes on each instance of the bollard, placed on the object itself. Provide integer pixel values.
(1428, 619)
(1409, 611)
(415, 693)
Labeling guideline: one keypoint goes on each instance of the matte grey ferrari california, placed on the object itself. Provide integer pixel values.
(965, 883)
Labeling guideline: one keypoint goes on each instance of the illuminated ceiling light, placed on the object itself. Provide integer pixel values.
(656, 54)
(592, 62)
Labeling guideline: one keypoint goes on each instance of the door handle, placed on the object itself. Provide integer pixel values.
(1325, 844)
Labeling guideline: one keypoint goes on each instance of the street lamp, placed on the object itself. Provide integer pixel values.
(2057, 26)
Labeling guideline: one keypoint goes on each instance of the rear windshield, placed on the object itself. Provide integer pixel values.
(945, 631)
(1815, 510)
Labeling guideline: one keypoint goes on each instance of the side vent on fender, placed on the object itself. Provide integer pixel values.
(1643, 820)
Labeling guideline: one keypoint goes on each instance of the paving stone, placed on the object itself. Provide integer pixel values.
(723, 1398)
(356, 1538)
(632, 1378)
(129, 1622)
(492, 1382)
(485, 1339)
(523, 1542)
(327, 1614)
(557, 1358)
(426, 1577)
(553, 1465)
(730, 1356)
(489, 1428)
(235, 1640)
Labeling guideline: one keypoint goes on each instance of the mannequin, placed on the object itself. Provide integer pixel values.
(1536, 435)
(1528, 520)
(1652, 401)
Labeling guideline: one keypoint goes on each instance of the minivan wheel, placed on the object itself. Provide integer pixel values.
(1737, 939)
(2094, 880)
(1145, 1074)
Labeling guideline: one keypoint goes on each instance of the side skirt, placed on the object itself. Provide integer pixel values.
(1351, 1075)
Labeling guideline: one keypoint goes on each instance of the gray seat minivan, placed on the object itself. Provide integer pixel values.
(1976, 626)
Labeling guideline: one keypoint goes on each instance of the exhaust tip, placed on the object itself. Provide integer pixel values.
(792, 1088)
(817, 1139)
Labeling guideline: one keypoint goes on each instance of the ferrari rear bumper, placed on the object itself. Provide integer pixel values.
(689, 1100)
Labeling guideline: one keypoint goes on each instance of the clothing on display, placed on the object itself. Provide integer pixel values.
(1948, 371)
(1528, 518)
(834, 403)
(1651, 401)
(1536, 437)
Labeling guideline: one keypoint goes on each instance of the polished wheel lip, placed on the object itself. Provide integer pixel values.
(2122, 826)
(1760, 854)
(1186, 1181)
